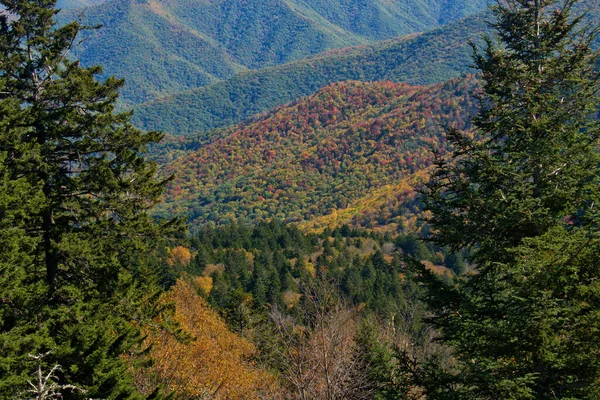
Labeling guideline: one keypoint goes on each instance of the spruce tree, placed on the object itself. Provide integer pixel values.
(534, 155)
(522, 194)
(75, 232)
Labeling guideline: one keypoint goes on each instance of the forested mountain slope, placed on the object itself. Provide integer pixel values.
(165, 46)
(70, 4)
(427, 58)
(352, 153)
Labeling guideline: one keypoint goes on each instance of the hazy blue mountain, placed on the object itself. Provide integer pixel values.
(70, 4)
(166, 46)
(431, 57)
(426, 58)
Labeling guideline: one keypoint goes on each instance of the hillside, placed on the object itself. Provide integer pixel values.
(166, 46)
(352, 153)
(70, 4)
(427, 58)
(142, 43)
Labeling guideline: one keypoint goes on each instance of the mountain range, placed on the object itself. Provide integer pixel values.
(431, 57)
(74, 4)
(166, 46)
(225, 79)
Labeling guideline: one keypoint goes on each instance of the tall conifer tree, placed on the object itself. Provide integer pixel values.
(74, 229)
(523, 194)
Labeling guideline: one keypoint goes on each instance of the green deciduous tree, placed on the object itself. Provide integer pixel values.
(522, 194)
(74, 194)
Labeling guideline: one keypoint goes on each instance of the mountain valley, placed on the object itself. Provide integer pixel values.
(164, 46)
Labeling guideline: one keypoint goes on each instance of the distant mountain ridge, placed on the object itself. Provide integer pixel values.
(71, 4)
(427, 58)
(166, 46)
(421, 58)
(350, 154)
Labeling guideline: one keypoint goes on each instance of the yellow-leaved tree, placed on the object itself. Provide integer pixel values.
(180, 256)
(213, 364)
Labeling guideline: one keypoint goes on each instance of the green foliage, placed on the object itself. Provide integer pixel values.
(255, 267)
(69, 4)
(74, 195)
(521, 175)
(413, 246)
(379, 362)
(432, 57)
(523, 196)
(163, 47)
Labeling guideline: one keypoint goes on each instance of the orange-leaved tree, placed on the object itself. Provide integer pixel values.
(180, 256)
(214, 363)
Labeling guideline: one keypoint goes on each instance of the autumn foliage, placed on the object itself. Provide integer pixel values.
(353, 153)
(212, 363)
(180, 256)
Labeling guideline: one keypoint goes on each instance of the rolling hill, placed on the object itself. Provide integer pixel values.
(423, 58)
(426, 58)
(71, 4)
(166, 46)
(351, 153)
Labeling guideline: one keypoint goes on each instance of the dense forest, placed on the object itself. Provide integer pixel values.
(352, 153)
(261, 278)
(374, 240)
(421, 59)
(427, 58)
(174, 45)
(72, 4)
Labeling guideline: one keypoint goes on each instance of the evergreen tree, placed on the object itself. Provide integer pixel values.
(522, 194)
(534, 156)
(74, 194)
